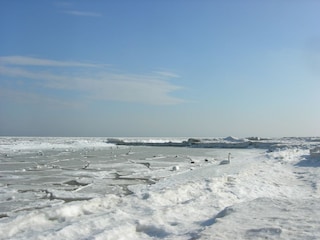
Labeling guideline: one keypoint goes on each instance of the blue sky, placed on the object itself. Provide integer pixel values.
(159, 68)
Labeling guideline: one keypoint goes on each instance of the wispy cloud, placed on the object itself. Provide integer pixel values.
(83, 13)
(31, 61)
(167, 74)
(92, 83)
(70, 9)
(38, 98)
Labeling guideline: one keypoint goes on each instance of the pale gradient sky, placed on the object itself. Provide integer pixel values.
(160, 68)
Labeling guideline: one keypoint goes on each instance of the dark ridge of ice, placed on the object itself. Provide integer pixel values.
(3, 215)
(51, 196)
(146, 180)
(228, 142)
(75, 183)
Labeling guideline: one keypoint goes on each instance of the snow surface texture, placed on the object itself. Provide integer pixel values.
(61, 188)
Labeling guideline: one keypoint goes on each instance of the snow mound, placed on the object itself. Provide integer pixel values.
(269, 218)
(233, 139)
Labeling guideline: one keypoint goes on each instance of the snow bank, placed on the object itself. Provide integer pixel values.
(266, 218)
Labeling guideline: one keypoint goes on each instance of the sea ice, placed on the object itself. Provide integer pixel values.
(262, 194)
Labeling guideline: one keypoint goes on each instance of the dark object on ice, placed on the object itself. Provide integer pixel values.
(175, 168)
(86, 166)
(143, 163)
(75, 183)
(146, 164)
(129, 152)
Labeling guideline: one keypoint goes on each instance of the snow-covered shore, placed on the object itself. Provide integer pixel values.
(133, 193)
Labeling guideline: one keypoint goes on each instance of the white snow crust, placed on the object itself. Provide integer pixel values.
(80, 188)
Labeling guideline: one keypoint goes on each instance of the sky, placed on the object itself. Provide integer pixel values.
(160, 68)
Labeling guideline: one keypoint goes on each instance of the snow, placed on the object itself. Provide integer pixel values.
(158, 192)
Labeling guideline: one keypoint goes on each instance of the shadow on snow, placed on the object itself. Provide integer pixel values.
(308, 161)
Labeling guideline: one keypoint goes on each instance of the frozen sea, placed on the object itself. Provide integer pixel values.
(159, 188)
